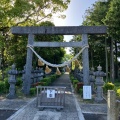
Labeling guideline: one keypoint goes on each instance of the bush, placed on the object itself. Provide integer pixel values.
(33, 91)
(50, 79)
(108, 86)
(7, 85)
(47, 80)
(38, 84)
(79, 85)
(2, 87)
(19, 82)
(53, 78)
(118, 92)
(72, 78)
(80, 91)
(75, 82)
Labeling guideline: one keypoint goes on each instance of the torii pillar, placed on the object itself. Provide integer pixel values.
(85, 60)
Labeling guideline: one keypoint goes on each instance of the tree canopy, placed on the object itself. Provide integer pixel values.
(29, 12)
(112, 20)
(25, 13)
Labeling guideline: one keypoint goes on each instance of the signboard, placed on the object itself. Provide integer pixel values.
(50, 93)
(87, 92)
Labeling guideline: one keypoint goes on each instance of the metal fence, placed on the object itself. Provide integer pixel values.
(50, 97)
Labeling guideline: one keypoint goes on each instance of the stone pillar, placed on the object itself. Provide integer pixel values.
(85, 60)
(12, 81)
(28, 65)
(111, 104)
(99, 83)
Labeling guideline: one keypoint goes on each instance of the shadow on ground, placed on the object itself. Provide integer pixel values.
(89, 116)
(4, 114)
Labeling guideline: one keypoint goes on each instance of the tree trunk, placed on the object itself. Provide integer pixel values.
(106, 57)
(111, 61)
(116, 62)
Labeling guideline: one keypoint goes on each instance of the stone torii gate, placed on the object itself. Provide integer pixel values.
(66, 30)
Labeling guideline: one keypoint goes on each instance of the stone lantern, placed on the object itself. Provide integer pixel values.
(99, 83)
(12, 81)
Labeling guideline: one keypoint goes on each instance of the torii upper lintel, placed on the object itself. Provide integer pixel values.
(60, 30)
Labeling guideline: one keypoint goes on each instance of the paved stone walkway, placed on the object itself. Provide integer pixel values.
(27, 110)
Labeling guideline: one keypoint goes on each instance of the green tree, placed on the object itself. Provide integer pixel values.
(29, 12)
(113, 22)
(23, 13)
(94, 17)
(52, 55)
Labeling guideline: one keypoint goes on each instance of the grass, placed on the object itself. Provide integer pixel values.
(21, 95)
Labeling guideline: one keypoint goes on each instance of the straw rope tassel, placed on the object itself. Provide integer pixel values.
(47, 70)
(40, 63)
(77, 63)
(58, 71)
(68, 69)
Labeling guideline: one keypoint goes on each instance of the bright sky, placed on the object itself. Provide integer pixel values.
(74, 14)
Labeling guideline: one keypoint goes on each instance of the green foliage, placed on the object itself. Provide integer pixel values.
(53, 77)
(33, 91)
(108, 86)
(71, 78)
(94, 17)
(112, 20)
(118, 92)
(7, 85)
(2, 87)
(75, 82)
(53, 55)
(80, 91)
(78, 86)
(96, 14)
(19, 82)
(24, 13)
(67, 57)
(14, 51)
(46, 81)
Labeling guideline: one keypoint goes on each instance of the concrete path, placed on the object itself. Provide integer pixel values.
(71, 110)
